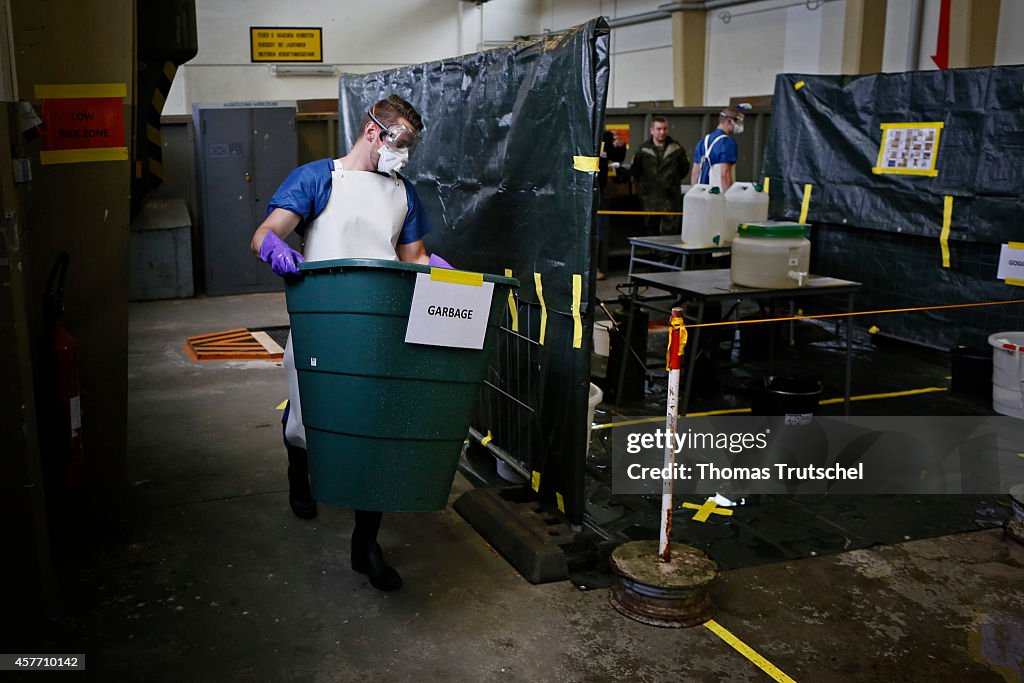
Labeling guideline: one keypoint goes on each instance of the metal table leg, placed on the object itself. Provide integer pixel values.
(626, 340)
(849, 354)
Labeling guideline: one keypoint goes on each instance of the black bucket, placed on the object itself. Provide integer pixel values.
(794, 397)
(972, 370)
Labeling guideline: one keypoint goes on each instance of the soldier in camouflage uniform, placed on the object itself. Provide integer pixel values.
(659, 167)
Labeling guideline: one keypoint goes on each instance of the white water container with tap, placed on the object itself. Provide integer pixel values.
(771, 255)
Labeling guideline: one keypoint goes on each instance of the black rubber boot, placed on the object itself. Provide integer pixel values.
(299, 496)
(367, 557)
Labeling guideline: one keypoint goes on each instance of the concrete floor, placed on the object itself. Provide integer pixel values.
(216, 580)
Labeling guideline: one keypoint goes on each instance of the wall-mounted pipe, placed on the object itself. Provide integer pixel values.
(916, 27)
(665, 11)
(634, 19)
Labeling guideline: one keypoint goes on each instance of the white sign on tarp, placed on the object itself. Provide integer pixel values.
(449, 308)
(1011, 263)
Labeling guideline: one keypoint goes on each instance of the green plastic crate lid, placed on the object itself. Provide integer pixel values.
(774, 229)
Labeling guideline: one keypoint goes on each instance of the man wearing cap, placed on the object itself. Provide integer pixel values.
(716, 153)
(353, 207)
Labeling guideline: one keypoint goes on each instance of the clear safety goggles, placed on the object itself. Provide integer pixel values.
(396, 136)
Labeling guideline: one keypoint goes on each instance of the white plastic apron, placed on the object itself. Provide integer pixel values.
(714, 170)
(363, 219)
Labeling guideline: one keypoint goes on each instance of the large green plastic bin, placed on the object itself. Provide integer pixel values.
(385, 420)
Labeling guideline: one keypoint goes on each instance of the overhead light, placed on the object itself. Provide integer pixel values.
(303, 70)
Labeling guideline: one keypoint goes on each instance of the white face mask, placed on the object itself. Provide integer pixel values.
(738, 127)
(390, 160)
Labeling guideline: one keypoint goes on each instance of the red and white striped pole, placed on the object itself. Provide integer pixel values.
(673, 358)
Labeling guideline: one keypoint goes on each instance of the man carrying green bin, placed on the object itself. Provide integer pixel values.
(353, 207)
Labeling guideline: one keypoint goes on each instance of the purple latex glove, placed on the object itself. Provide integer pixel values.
(282, 259)
(438, 262)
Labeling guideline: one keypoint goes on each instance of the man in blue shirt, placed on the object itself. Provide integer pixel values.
(716, 153)
(353, 207)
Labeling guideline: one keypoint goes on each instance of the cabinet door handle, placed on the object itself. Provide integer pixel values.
(248, 177)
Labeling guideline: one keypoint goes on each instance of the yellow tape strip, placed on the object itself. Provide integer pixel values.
(577, 321)
(724, 411)
(543, 308)
(806, 204)
(947, 218)
(535, 481)
(588, 164)
(704, 511)
(739, 411)
(282, 405)
(81, 90)
(799, 84)
(1015, 245)
(889, 394)
(767, 184)
(457, 277)
(560, 501)
(170, 68)
(904, 171)
(1014, 282)
(679, 327)
(513, 310)
(487, 439)
(937, 125)
(745, 650)
(74, 156)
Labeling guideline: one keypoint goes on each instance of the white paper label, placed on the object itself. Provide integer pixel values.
(76, 413)
(1011, 263)
(448, 313)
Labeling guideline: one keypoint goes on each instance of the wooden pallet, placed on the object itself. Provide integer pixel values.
(237, 344)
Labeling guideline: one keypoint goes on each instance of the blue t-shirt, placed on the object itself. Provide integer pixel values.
(306, 190)
(722, 152)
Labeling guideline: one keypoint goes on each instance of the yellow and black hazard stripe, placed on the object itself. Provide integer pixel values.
(154, 140)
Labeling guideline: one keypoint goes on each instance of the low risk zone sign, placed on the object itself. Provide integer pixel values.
(267, 44)
(82, 122)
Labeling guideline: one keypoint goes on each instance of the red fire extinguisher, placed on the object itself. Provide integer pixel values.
(67, 408)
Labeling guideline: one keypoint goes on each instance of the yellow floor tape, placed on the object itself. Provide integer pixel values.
(740, 411)
(747, 652)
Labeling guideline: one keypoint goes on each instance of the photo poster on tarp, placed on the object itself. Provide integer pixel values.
(502, 170)
(929, 233)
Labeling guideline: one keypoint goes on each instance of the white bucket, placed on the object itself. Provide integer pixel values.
(1007, 375)
(596, 396)
(744, 203)
(703, 216)
(602, 342)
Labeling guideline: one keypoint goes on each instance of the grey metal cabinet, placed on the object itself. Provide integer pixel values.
(243, 152)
